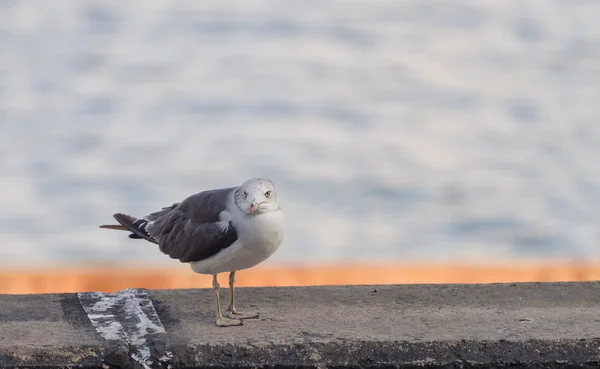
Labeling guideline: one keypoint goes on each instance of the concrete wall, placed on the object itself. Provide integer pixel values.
(495, 325)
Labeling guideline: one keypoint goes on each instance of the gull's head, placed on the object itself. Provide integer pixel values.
(257, 196)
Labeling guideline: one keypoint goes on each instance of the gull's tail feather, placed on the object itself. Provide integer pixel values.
(117, 227)
(137, 227)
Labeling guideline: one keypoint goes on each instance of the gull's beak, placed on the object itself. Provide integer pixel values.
(253, 206)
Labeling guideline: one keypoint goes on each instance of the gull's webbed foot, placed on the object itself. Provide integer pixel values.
(234, 314)
(226, 322)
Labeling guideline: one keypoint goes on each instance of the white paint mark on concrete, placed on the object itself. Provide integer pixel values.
(126, 315)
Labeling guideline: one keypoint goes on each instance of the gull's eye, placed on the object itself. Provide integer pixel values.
(245, 194)
(268, 194)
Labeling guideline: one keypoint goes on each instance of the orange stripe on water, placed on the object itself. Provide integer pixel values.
(106, 279)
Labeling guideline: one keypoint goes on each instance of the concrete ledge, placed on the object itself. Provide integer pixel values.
(496, 325)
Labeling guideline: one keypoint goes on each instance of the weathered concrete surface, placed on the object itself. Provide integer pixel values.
(498, 325)
(48, 330)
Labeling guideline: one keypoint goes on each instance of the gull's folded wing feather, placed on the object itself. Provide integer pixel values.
(189, 231)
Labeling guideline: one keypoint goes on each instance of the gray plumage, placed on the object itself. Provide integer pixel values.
(188, 231)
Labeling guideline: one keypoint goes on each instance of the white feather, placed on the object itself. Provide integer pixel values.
(259, 236)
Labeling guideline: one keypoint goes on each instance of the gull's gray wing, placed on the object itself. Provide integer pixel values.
(189, 230)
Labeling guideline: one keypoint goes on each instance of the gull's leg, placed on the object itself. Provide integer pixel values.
(231, 311)
(222, 321)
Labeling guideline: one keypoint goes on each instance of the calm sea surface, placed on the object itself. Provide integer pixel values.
(453, 131)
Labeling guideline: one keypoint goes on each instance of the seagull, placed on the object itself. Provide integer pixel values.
(216, 231)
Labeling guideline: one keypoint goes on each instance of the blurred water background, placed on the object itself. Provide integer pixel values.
(451, 131)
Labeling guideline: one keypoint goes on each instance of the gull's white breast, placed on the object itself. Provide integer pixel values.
(259, 236)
